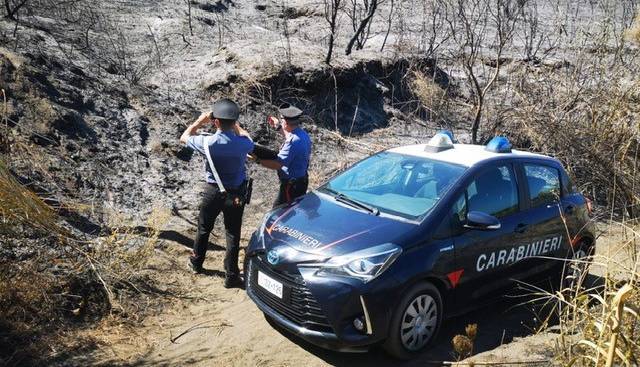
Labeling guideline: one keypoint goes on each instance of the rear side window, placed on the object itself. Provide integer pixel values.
(544, 184)
(494, 192)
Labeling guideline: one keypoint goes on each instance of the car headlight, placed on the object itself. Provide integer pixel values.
(364, 264)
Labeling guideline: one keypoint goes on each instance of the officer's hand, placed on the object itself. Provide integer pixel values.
(273, 121)
(204, 118)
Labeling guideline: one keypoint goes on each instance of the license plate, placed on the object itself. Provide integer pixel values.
(269, 284)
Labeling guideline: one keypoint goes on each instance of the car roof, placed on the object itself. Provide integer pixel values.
(463, 154)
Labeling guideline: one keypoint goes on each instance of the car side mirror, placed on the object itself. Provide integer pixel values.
(480, 220)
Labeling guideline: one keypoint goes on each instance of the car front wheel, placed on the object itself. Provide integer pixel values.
(415, 322)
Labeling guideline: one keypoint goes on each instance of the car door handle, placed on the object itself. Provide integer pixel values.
(521, 228)
(569, 209)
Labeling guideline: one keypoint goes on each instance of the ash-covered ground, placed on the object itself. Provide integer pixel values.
(98, 93)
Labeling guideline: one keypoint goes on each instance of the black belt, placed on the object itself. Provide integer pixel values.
(293, 180)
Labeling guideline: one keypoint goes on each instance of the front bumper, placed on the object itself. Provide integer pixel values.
(320, 338)
(321, 310)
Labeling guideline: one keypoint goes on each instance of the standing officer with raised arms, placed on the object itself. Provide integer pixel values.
(225, 173)
(292, 162)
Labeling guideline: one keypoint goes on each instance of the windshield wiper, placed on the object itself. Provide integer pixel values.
(344, 199)
(329, 190)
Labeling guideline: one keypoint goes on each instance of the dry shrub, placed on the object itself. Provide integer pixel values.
(121, 257)
(15, 59)
(586, 316)
(430, 94)
(463, 344)
(39, 109)
(39, 309)
(41, 283)
(632, 34)
(472, 331)
(593, 129)
(20, 207)
(51, 283)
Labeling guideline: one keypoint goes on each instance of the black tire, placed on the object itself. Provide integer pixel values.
(394, 344)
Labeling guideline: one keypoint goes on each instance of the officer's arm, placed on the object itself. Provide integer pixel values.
(191, 130)
(271, 164)
(240, 131)
(285, 155)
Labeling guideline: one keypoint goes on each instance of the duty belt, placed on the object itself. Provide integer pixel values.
(293, 180)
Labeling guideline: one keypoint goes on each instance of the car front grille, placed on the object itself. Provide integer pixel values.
(297, 305)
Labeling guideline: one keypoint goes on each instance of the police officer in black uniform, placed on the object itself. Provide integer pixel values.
(292, 162)
(226, 151)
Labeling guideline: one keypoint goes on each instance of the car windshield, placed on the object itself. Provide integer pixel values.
(397, 184)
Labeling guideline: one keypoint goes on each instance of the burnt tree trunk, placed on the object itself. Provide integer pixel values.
(12, 9)
(363, 24)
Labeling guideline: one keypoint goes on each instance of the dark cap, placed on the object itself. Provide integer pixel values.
(290, 112)
(225, 109)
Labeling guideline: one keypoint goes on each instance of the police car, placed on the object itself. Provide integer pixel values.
(407, 237)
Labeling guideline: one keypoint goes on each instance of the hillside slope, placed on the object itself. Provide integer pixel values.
(96, 95)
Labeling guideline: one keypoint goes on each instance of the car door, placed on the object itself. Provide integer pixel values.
(485, 254)
(544, 229)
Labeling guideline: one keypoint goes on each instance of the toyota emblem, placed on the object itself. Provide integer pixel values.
(273, 257)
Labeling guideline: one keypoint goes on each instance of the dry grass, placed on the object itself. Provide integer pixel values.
(122, 256)
(430, 94)
(585, 312)
(594, 131)
(632, 34)
(20, 207)
(41, 110)
(52, 283)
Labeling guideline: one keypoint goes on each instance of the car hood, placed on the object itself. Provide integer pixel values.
(321, 227)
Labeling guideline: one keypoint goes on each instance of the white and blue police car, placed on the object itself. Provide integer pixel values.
(387, 249)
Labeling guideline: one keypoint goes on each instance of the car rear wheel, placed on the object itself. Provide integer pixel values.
(415, 321)
(577, 267)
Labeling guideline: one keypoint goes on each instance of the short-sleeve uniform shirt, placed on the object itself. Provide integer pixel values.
(229, 154)
(294, 155)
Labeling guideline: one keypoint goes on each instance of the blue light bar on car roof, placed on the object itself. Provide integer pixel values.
(449, 134)
(439, 142)
(499, 144)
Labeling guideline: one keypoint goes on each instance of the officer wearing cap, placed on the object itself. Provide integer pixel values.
(292, 162)
(227, 150)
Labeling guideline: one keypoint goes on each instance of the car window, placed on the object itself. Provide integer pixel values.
(398, 184)
(378, 175)
(544, 184)
(494, 192)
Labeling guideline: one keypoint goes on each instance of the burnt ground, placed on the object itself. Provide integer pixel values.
(98, 94)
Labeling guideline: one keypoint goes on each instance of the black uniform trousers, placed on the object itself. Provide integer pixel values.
(291, 189)
(213, 202)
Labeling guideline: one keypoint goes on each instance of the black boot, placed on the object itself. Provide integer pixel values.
(195, 267)
(233, 282)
